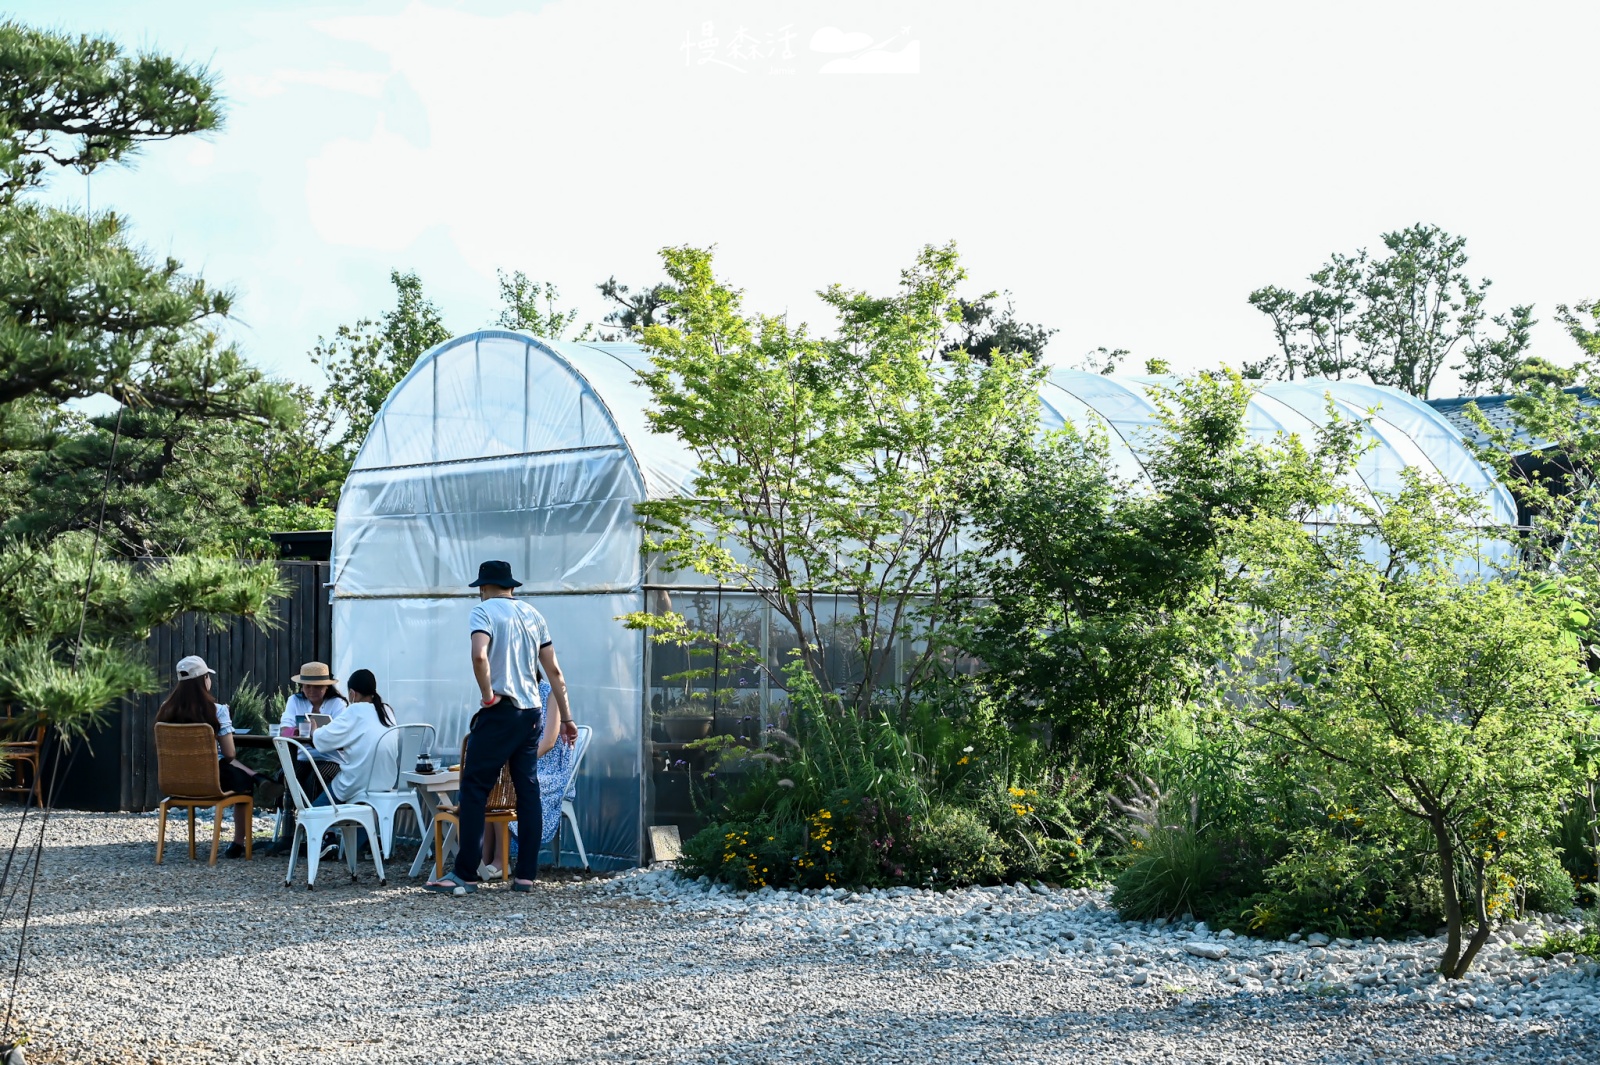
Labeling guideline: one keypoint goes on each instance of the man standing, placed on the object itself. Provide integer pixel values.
(510, 641)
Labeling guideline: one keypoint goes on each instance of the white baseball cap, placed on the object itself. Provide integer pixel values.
(192, 667)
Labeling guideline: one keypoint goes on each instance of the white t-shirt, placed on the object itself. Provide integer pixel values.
(298, 706)
(516, 633)
(351, 739)
(224, 725)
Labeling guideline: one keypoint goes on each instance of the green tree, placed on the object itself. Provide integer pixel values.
(1108, 602)
(172, 476)
(531, 307)
(636, 310)
(1395, 319)
(364, 361)
(1577, 321)
(1457, 699)
(987, 328)
(85, 313)
(830, 470)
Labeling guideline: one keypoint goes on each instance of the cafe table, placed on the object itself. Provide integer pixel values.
(432, 789)
(257, 741)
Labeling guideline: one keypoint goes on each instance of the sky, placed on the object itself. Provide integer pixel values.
(1129, 172)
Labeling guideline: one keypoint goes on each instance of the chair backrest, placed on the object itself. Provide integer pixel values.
(504, 794)
(582, 745)
(14, 730)
(407, 741)
(287, 750)
(186, 761)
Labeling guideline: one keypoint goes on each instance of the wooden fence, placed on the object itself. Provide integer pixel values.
(116, 769)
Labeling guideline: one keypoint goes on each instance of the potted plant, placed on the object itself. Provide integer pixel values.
(687, 722)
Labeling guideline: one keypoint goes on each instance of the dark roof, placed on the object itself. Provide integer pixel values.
(1497, 413)
(312, 545)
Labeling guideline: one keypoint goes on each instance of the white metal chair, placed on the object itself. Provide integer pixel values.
(312, 822)
(569, 814)
(388, 796)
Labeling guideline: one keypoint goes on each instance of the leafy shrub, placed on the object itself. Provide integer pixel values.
(1344, 886)
(955, 847)
(1172, 870)
(1586, 943)
(1539, 882)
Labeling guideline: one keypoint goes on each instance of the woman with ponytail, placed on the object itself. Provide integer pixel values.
(351, 739)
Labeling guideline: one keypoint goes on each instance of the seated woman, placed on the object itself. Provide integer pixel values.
(351, 739)
(191, 702)
(319, 694)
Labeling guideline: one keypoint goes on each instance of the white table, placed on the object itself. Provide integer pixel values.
(432, 789)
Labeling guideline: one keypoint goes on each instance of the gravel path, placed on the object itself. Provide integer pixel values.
(129, 962)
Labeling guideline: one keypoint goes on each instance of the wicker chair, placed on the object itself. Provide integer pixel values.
(501, 811)
(187, 771)
(19, 747)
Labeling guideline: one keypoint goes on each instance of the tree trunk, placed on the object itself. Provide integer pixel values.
(1480, 935)
(1452, 901)
(1594, 830)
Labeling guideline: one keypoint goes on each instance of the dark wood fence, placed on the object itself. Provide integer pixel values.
(116, 769)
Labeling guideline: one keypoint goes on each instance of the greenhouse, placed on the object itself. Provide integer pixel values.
(498, 445)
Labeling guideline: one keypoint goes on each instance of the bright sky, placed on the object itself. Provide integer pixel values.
(1129, 171)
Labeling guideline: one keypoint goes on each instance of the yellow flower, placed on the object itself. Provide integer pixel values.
(1500, 834)
(1016, 793)
(962, 760)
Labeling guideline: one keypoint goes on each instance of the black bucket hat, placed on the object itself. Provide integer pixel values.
(497, 574)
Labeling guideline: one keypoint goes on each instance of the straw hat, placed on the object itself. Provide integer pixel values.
(314, 673)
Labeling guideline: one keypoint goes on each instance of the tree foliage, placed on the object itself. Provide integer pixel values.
(1107, 601)
(83, 313)
(531, 307)
(636, 309)
(988, 328)
(1456, 699)
(81, 102)
(1395, 319)
(363, 362)
(829, 469)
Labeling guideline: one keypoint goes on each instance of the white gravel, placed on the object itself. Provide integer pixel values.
(130, 962)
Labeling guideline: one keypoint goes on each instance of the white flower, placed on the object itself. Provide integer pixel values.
(966, 750)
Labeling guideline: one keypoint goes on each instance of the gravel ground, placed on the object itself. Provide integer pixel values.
(130, 962)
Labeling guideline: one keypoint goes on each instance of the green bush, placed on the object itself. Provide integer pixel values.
(1342, 886)
(954, 847)
(1170, 871)
(1537, 880)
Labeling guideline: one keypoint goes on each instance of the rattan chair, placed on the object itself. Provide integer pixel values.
(20, 746)
(501, 811)
(187, 770)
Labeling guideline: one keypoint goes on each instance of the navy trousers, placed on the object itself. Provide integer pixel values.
(502, 734)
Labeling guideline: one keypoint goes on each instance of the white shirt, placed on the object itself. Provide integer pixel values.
(224, 725)
(516, 633)
(352, 740)
(299, 706)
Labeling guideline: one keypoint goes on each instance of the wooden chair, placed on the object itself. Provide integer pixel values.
(18, 749)
(187, 770)
(501, 811)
